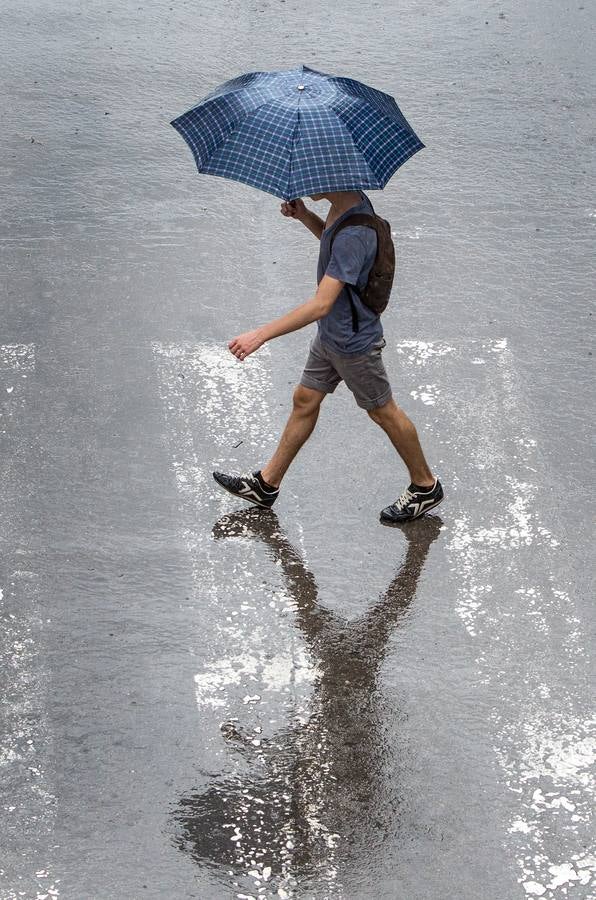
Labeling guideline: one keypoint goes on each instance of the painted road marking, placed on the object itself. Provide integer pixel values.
(25, 742)
(260, 675)
(17, 357)
(29, 802)
(543, 737)
(17, 362)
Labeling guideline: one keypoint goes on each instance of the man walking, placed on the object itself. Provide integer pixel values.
(337, 352)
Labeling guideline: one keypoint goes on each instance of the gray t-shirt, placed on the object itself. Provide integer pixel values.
(354, 251)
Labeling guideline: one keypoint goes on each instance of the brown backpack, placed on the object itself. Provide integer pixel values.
(375, 293)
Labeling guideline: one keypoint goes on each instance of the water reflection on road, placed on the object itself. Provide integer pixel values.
(317, 791)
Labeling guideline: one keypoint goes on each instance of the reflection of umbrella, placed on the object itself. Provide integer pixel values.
(299, 132)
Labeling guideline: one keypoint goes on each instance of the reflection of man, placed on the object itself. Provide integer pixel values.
(308, 797)
(338, 353)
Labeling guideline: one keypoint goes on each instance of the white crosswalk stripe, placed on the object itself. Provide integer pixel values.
(487, 444)
(25, 738)
(257, 666)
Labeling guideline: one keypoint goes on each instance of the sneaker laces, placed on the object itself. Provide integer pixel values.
(404, 500)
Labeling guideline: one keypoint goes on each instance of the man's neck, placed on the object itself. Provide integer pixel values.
(343, 201)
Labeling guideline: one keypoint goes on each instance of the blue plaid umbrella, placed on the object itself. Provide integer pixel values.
(299, 132)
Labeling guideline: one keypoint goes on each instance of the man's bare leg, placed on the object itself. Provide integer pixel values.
(404, 437)
(299, 428)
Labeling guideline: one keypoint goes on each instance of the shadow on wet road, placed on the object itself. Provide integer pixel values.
(310, 785)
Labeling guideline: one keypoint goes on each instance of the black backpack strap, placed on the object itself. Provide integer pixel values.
(355, 326)
(365, 219)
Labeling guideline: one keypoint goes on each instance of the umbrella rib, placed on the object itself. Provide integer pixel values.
(293, 141)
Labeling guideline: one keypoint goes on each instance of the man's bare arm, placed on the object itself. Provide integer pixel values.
(314, 223)
(315, 308)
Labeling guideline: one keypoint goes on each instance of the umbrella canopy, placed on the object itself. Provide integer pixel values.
(299, 132)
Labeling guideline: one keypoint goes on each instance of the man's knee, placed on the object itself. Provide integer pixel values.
(306, 400)
(383, 413)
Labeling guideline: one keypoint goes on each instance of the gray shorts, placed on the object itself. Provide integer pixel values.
(364, 375)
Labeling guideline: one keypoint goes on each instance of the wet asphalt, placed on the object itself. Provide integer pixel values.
(204, 700)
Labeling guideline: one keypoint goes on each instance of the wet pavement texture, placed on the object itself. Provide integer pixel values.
(204, 701)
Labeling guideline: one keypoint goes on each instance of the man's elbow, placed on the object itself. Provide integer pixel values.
(328, 291)
(322, 305)
(322, 308)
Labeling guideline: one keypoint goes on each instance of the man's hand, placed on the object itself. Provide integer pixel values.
(245, 344)
(294, 209)
(297, 209)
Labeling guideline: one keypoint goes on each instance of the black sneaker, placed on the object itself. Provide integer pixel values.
(412, 504)
(248, 487)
